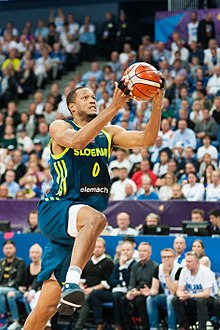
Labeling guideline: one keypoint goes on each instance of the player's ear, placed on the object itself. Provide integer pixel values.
(72, 107)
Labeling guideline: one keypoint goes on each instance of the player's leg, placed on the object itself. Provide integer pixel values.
(85, 224)
(46, 306)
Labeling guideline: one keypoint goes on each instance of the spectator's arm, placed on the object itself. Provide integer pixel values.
(20, 275)
(154, 290)
(204, 294)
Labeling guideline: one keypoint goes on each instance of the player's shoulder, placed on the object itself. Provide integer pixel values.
(59, 124)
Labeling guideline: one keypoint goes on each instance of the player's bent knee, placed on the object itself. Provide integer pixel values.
(99, 221)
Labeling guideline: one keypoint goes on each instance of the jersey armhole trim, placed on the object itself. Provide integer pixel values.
(109, 142)
(59, 155)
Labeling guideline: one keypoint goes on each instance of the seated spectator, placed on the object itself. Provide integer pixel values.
(43, 67)
(19, 168)
(199, 249)
(31, 188)
(139, 287)
(121, 160)
(167, 133)
(95, 72)
(130, 194)
(196, 115)
(119, 280)
(25, 143)
(193, 191)
(207, 126)
(185, 135)
(166, 276)
(216, 110)
(32, 223)
(207, 148)
(11, 277)
(145, 170)
(194, 293)
(166, 190)
(213, 188)
(160, 168)
(148, 193)
(152, 219)
(177, 192)
(117, 191)
(10, 183)
(123, 222)
(43, 134)
(188, 157)
(30, 283)
(214, 217)
(206, 178)
(95, 276)
(179, 246)
(197, 215)
(213, 85)
(9, 138)
(156, 148)
(206, 160)
(4, 194)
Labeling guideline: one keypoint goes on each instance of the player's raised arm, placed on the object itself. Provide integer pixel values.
(84, 111)
(131, 139)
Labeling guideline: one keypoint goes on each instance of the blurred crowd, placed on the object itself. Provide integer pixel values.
(184, 161)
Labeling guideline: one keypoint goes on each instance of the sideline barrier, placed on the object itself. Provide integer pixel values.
(172, 212)
(212, 245)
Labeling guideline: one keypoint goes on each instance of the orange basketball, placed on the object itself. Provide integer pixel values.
(144, 78)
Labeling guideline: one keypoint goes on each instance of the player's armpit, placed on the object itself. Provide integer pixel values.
(63, 134)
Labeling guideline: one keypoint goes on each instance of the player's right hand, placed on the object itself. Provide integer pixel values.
(120, 97)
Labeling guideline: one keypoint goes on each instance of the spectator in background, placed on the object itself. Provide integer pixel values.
(177, 192)
(206, 30)
(206, 161)
(108, 34)
(193, 191)
(214, 217)
(216, 109)
(185, 135)
(24, 142)
(148, 194)
(197, 215)
(213, 85)
(152, 219)
(213, 188)
(207, 126)
(179, 246)
(130, 194)
(199, 249)
(4, 194)
(139, 287)
(10, 183)
(166, 276)
(160, 168)
(194, 292)
(121, 160)
(144, 170)
(32, 223)
(207, 148)
(166, 190)
(119, 280)
(12, 273)
(43, 134)
(192, 28)
(117, 191)
(95, 276)
(9, 138)
(123, 32)
(123, 222)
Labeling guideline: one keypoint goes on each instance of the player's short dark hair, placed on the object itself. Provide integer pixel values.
(215, 212)
(72, 96)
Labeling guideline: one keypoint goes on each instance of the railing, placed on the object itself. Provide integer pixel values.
(184, 5)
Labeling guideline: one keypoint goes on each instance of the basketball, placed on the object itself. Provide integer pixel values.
(144, 78)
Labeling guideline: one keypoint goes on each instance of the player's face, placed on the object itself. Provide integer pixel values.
(85, 104)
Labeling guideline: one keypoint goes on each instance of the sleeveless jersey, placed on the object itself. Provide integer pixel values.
(82, 176)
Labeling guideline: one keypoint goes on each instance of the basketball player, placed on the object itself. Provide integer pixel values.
(70, 214)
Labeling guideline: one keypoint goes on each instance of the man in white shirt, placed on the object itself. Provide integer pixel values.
(117, 192)
(207, 148)
(192, 28)
(193, 191)
(123, 222)
(194, 292)
(166, 276)
(213, 189)
(183, 134)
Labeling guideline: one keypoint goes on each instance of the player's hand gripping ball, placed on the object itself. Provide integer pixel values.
(143, 80)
